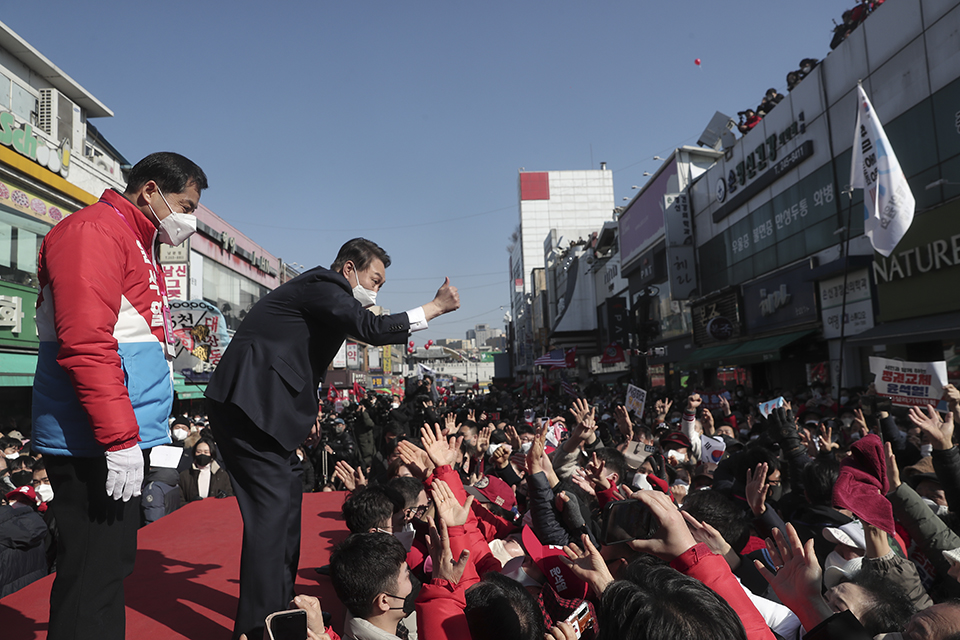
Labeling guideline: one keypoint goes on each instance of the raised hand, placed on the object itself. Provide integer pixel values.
(513, 437)
(893, 471)
(350, 477)
(826, 440)
(581, 480)
(705, 532)
(587, 564)
(623, 421)
(444, 567)
(939, 432)
(415, 459)
(596, 474)
(797, 580)
(758, 488)
(437, 446)
(663, 408)
(483, 439)
(693, 401)
(449, 424)
(448, 507)
(580, 409)
(673, 537)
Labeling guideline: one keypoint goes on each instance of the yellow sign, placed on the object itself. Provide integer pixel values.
(28, 203)
(387, 359)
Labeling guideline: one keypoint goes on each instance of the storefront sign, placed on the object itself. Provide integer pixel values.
(782, 300)
(26, 202)
(387, 355)
(175, 277)
(11, 314)
(909, 383)
(858, 316)
(174, 255)
(618, 320)
(353, 355)
(716, 321)
(920, 277)
(682, 269)
(22, 140)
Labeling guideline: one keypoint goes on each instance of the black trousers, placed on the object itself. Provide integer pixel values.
(269, 492)
(96, 549)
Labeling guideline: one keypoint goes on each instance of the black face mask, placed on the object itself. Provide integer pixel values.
(21, 478)
(202, 459)
(409, 603)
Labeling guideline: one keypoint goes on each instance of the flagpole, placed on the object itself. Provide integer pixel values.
(846, 256)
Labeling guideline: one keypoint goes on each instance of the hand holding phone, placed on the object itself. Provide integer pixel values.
(672, 538)
(581, 619)
(287, 625)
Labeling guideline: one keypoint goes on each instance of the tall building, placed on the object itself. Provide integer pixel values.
(481, 333)
(572, 204)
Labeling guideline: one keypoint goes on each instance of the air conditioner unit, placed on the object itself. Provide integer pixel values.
(60, 118)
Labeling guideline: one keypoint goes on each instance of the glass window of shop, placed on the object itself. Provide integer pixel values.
(20, 238)
(232, 293)
(673, 315)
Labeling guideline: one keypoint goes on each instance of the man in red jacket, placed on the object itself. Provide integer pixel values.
(103, 389)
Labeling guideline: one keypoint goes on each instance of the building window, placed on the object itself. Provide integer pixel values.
(231, 292)
(20, 239)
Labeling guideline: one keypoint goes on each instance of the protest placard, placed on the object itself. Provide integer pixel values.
(636, 399)
(767, 407)
(909, 383)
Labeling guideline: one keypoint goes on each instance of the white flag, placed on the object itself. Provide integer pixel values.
(887, 200)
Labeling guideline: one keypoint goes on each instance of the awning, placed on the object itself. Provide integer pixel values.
(186, 390)
(747, 352)
(937, 327)
(17, 369)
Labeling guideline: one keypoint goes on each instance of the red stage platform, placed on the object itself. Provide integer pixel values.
(186, 581)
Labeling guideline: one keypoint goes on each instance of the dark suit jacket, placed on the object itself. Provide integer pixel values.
(279, 355)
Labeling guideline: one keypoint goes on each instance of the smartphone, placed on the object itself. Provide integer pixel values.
(581, 619)
(626, 520)
(287, 625)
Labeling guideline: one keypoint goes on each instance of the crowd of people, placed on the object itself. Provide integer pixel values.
(851, 19)
(493, 515)
(498, 515)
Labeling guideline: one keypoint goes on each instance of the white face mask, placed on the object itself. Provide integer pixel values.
(926, 450)
(180, 435)
(176, 227)
(846, 422)
(514, 570)
(45, 492)
(394, 405)
(525, 447)
(364, 296)
(833, 559)
(11, 456)
(675, 455)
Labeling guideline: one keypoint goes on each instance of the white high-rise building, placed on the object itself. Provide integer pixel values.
(575, 204)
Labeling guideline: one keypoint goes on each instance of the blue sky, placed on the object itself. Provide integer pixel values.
(407, 122)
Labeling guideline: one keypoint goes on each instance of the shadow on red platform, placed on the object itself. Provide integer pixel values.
(186, 580)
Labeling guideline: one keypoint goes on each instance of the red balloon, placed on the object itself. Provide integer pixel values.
(410, 343)
(697, 62)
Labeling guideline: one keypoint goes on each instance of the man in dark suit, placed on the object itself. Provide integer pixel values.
(263, 404)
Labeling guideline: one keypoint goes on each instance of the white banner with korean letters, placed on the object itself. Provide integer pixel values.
(909, 383)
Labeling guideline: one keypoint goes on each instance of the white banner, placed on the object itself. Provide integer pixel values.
(909, 383)
(636, 399)
(858, 315)
(353, 356)
(888, 201)
(340, 360)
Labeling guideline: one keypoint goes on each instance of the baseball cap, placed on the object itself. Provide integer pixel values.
(494, 491)
(24, 494)
(547, 559)
(836, 574)
(850, 534)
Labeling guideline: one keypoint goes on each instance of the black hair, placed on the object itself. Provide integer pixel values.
(361, 252)
(721, 513)
(209, 442)
(369, 507)
(7, 442)
(409, 488)
(892, 607)
(500, 608)
(819, 476)
(171, 171)
(614, 462)
(39, 465)
(750, 457)
(363, 566)
(472, 426)
(663, 604)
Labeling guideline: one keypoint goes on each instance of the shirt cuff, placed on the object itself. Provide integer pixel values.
(417, 319)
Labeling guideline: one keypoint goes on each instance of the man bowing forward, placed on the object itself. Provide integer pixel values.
(264, 404)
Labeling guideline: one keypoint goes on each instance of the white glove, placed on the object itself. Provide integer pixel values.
(124, 473)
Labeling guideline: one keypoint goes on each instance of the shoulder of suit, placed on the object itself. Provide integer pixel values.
(325, 275)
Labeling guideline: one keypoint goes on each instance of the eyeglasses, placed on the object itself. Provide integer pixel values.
(418, 511)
